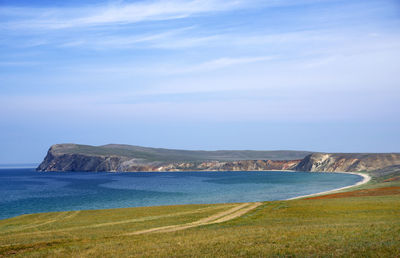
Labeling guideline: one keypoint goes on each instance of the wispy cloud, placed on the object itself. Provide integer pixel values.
(219, 64)
(161, 39)
(110, 14)
(166, 69)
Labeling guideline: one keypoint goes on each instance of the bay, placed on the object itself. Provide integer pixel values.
(25, 191)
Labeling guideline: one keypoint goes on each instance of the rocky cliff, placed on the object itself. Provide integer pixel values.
(70, 157)
(80, 162)
(240, 165)
(347, 162)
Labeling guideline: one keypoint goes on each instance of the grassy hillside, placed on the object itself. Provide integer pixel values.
(159, 154)
(366, 225)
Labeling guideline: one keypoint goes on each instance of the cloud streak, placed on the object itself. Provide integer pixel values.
(112, 14)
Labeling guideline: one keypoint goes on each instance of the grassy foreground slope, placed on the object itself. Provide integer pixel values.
(352, 225)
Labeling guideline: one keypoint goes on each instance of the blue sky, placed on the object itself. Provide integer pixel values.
(319, 75)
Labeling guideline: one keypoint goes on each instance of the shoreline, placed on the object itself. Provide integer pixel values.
(366, 179)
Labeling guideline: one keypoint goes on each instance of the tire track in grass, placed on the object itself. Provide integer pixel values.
(61, 216)
(237, 214)
(220, 217)
(142, 219)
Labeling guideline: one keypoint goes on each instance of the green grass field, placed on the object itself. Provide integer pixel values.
(358, 226)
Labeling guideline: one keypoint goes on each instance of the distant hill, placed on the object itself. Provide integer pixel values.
(118, 157)
(125, 158)
(159, 154)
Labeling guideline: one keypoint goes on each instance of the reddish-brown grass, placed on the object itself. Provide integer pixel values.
(396, 178)
(392, 190)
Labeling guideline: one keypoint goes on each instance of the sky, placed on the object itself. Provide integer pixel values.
(317, 75)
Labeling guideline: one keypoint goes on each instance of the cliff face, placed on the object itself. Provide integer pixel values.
(59, 158)
(347, 162)
(79, 162)
(241, 165)
(69, 158)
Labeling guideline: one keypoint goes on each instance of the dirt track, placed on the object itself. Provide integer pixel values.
(230, 214)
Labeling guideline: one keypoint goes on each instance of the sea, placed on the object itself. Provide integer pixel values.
(25, 191)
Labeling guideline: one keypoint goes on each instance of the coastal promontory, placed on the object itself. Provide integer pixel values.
(128, 158)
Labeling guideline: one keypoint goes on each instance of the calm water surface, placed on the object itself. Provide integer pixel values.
(25, 191)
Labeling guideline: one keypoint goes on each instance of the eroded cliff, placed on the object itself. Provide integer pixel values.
(70, 157)
(347, 162)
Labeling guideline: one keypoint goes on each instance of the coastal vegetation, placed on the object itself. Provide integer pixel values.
(363, 222)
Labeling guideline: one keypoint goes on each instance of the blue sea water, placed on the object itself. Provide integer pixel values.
(24, 191)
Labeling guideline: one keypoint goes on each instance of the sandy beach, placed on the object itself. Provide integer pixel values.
(366, 179)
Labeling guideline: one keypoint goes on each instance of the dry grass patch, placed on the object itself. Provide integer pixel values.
(392, 190)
